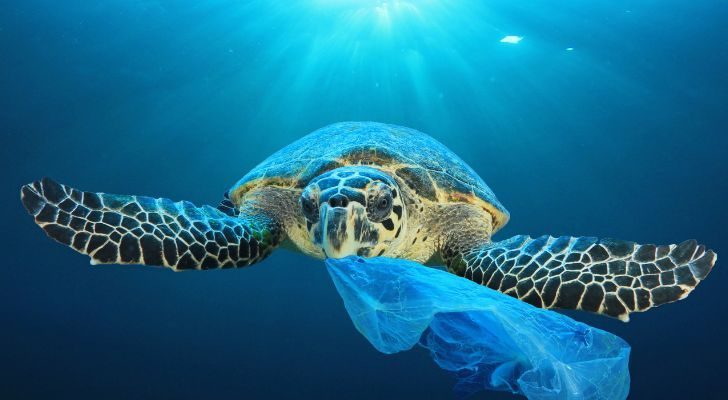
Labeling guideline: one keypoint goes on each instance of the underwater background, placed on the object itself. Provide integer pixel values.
(607, 118)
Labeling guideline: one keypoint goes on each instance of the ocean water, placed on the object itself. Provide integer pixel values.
(607, 118)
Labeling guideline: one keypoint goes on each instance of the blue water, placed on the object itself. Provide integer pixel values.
(623, 136)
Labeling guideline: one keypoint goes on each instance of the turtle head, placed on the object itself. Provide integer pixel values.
(355, 210)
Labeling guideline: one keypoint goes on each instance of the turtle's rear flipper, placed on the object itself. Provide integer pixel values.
(606, 276)
(121, 229)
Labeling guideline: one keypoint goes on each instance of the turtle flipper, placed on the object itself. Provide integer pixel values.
(606, 276)
(121, 229)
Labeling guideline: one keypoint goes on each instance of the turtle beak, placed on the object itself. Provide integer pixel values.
(333, 224)
(338, 229)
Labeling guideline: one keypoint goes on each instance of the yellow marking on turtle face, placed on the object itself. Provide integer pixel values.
(498, 217)
(237, 194)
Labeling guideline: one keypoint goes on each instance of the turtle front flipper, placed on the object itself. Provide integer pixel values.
(606, 276)
(122, 229)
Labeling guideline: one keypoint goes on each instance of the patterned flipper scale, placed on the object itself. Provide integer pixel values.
(121, 229)
(606, 276)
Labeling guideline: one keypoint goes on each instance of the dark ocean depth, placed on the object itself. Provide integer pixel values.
(606, 118)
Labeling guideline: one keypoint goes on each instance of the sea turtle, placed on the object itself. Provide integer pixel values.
(370, 189)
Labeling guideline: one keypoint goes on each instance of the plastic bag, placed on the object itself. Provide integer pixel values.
(488, 339)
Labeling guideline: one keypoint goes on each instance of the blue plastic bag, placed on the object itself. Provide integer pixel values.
(488, 339)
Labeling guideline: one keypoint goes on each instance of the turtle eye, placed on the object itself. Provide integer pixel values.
(310, 211)
(379, 206)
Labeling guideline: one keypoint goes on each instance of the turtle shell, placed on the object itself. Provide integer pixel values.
(435, 172)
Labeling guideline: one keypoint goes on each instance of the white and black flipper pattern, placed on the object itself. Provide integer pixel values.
(607, 276)
(121, 229)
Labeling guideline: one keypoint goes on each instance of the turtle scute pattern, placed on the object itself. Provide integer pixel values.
(606, 276)
(423, 162)
(123, 229)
